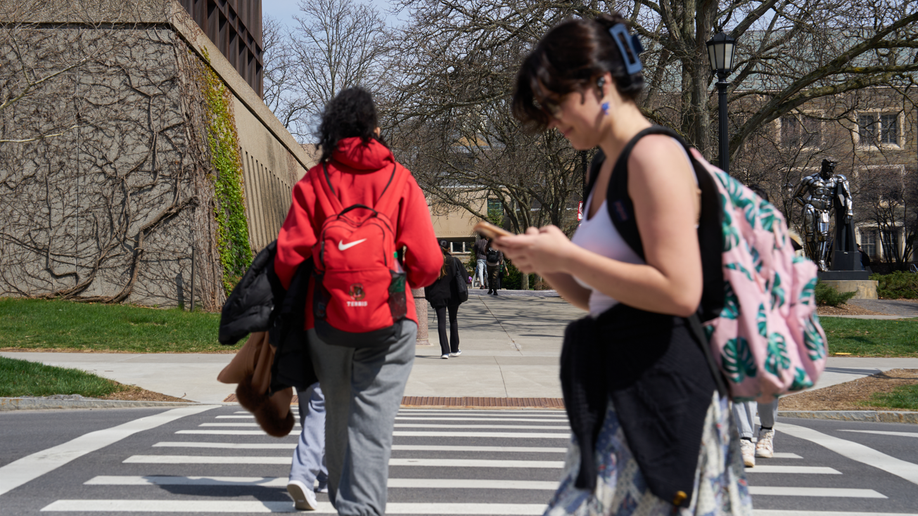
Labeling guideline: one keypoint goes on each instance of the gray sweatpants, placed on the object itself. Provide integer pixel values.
(744, 415)
(363, 392)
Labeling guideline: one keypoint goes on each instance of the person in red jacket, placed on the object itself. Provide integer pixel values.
(364, 386)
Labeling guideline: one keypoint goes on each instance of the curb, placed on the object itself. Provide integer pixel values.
(9, 404)
(861, 416)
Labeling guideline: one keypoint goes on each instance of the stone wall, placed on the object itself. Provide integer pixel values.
(106, 174)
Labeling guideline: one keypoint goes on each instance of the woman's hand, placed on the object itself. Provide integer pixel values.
(538, 250)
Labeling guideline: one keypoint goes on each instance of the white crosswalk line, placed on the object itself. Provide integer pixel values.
(229, 446)
(222, 432)
(231, 507)
(476, 427)
(399, 483)
(238, 424)
(884, 432)
(793, 470)
(786, 455)
(472, 463)
(37, 464)
(505, 419)
(485, 449)
(285, 459)
(760, 512)
(856, 451)
(829, 492)
(504, 435)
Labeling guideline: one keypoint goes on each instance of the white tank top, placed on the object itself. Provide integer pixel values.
(600, 236)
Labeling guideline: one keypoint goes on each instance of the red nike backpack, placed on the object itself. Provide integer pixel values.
(359, 292)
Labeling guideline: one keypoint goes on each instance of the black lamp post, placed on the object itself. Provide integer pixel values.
(720, 53)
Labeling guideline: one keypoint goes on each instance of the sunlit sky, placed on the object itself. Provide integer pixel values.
(285, 10)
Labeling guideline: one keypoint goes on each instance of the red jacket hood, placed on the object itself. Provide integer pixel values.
(362, 156)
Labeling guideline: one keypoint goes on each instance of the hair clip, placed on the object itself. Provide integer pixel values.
(629, 46)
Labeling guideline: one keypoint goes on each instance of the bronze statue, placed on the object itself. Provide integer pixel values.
(819, 194)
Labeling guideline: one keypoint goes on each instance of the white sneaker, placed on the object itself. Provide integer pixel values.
(445, 356)
(765, 444)
(747, 448)
(456, 354)
(303, 499)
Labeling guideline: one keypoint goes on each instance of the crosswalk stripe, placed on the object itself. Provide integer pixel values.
(884, 432)
(832, 492)
(484, 413)
(224, 506)
(515, 419)
(478, 427)
(857, 452)
(239, 459)
(398, 433)
(222, 432)
(475, 463)
(786, 455)
(794, 470)
(229, 446)
(230, 425)
(398, 483)
(204, 459)
(486, 449)
(760, 512)
(28, 468)
(504, 435)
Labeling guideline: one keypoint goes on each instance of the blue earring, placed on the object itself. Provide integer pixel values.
(605, 108)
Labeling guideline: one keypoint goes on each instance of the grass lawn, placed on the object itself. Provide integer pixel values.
(65, 325)
(901, 398)
(872, 337)
(24, 378)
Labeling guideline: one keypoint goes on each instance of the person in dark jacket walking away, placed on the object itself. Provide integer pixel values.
(495, 260)
(443, 297)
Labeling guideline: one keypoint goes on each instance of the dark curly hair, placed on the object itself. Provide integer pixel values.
(351, 113)
(570, 58)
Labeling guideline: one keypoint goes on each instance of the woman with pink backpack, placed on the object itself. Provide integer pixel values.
(652, 434)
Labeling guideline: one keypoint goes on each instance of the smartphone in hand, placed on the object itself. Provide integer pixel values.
(490, 230)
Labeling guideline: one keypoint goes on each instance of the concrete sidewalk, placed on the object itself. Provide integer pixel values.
(510, 346)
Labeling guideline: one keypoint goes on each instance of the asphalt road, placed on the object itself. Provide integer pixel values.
(213, 459)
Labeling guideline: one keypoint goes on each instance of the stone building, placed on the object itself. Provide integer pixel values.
(138, 162)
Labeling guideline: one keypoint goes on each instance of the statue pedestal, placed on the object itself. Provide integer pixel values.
(850, 281)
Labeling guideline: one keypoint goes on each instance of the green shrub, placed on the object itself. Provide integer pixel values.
(828, 295)
(897, 285)
(513, 279)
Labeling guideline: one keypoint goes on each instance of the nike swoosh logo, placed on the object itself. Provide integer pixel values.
(344, 247)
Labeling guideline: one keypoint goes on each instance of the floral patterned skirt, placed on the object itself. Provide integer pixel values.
(720, 482)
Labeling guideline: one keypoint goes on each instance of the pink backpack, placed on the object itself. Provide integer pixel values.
(767, 337)
(758, 308)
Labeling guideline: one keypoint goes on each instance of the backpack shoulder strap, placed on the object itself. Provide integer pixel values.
(325, 193)
(391, 194)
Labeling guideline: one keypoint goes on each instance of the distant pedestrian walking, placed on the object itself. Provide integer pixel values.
(443, 296)
(481, 261)
(494, 260)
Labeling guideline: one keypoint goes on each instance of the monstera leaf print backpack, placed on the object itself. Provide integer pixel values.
(758, 307)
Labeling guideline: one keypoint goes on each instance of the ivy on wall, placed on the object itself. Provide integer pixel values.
(229, 208)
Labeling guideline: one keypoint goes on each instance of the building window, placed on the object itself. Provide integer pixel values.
(874, 129)
(889, 129)
(460, 247)
(869, 242)
(799, 132)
